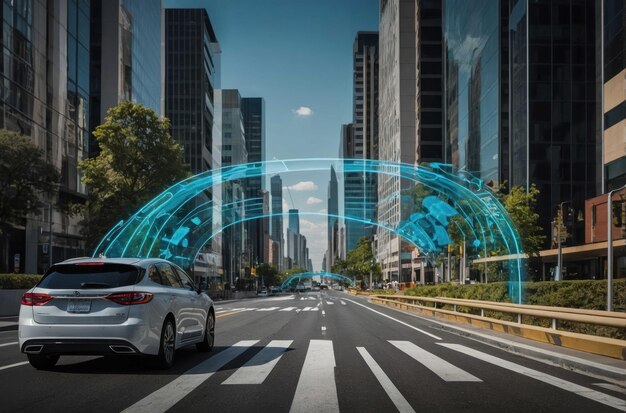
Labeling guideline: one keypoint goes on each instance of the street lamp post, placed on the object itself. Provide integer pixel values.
(609, 251)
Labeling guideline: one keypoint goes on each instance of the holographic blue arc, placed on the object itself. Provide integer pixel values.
(177, 223)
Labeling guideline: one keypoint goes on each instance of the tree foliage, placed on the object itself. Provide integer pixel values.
(24, 177)
(359, 262)
(138, 159)
(521, 206)
(267, 273)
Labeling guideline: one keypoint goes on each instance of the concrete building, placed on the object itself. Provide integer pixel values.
(333, 223)
(396, 128)
(233, 193)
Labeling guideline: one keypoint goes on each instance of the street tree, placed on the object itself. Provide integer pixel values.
(360, 261)
(25, 177)
(138, 159)
(267, 273)
(520, 205)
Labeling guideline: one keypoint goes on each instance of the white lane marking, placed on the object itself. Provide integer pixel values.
(298, 310)
(256, 370)
(8, 344)
(342, 302)
(509, 344)
(324, 313)
(315, 309)
(170, 394)
(543, 377)
(392, 391)
(290, 297)
(316, 390)
(396, 320)
(249, 309)
(611, 387)
(302, 298)
(329, 302)
(319, 304)
(323, 328)
(288, 309)
(218, 308)
(13, 365)
(306, 308)
(437, 365)
(312, 298)
(268, 309)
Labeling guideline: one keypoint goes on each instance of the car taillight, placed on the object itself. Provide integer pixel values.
(130, 298)
(31, 299)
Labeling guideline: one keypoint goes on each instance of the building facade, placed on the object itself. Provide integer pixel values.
(277, 235)
(614, 94)
(396, 129)
(360, 141)
(333, 223)
(253, 110)
(45, 76)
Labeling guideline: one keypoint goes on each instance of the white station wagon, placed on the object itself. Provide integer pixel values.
(114, 306)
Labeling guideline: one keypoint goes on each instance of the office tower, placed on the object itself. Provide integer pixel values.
(294, 221)
(233, 193)
(45, 71)
(555, 82)
(276, 188)
(614, 79)
(360, 140)
(429, 75)
(253, 110)
(126, 56)
(193, 101)
(332, 221)
(396, 128)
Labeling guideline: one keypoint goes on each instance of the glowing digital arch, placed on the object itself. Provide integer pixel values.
(177, 223)
(324, 274)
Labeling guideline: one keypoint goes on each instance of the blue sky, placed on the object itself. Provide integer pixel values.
(297, 55)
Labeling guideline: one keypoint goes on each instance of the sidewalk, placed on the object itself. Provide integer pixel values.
(594, 365)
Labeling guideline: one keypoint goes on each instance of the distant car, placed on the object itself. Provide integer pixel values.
(275, 290)
(114, 306)
(262, 293)
(300, 288)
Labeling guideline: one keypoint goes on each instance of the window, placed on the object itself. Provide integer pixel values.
(154, 275)
(186, 280)
(168, 274)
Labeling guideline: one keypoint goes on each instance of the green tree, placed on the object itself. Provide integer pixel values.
(267, 273)
(138, 159)
(25, 177)
(521, 206)
(360, 261)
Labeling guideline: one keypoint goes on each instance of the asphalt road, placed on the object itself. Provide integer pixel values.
(315, 352)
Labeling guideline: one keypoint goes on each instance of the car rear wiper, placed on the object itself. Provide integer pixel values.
(94, 285)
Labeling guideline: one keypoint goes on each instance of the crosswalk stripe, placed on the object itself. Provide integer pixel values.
(392, 391)
(288, 309)
(543, 377)
(306, 308)
(256, 370)
(170, 394)
(329, 302)
(316, 390)
(268, 309)
(610, 386)
(250, 309)
(437, 365)
(315, 309)
(342, 302)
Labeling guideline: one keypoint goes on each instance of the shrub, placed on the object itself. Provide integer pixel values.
(18, 281)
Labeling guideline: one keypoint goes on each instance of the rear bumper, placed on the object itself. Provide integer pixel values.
(79, 347)
(91, 339)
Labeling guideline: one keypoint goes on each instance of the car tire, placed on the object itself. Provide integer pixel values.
(43, 362)
(209, 335)
(167, 348)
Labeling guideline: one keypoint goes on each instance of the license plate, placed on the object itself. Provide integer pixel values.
(78, 306)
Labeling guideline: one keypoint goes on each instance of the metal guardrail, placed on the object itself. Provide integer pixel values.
(594, 317)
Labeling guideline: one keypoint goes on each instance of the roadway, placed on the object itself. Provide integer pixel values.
(315, 352)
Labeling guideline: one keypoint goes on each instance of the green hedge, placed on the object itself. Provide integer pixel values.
(583, 294)
(18, 281)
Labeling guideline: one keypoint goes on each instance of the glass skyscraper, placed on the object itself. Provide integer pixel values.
(44, 71)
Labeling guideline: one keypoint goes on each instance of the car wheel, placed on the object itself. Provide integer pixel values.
(209, 334)
(167, 349)
(42, 362)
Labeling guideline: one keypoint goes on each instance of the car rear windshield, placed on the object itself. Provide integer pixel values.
(87, 275)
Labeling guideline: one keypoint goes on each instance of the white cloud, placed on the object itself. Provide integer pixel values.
(302, 111)
(285, 205)
(303, 186)
(313, 201)
(311, 229)
(324, 211)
